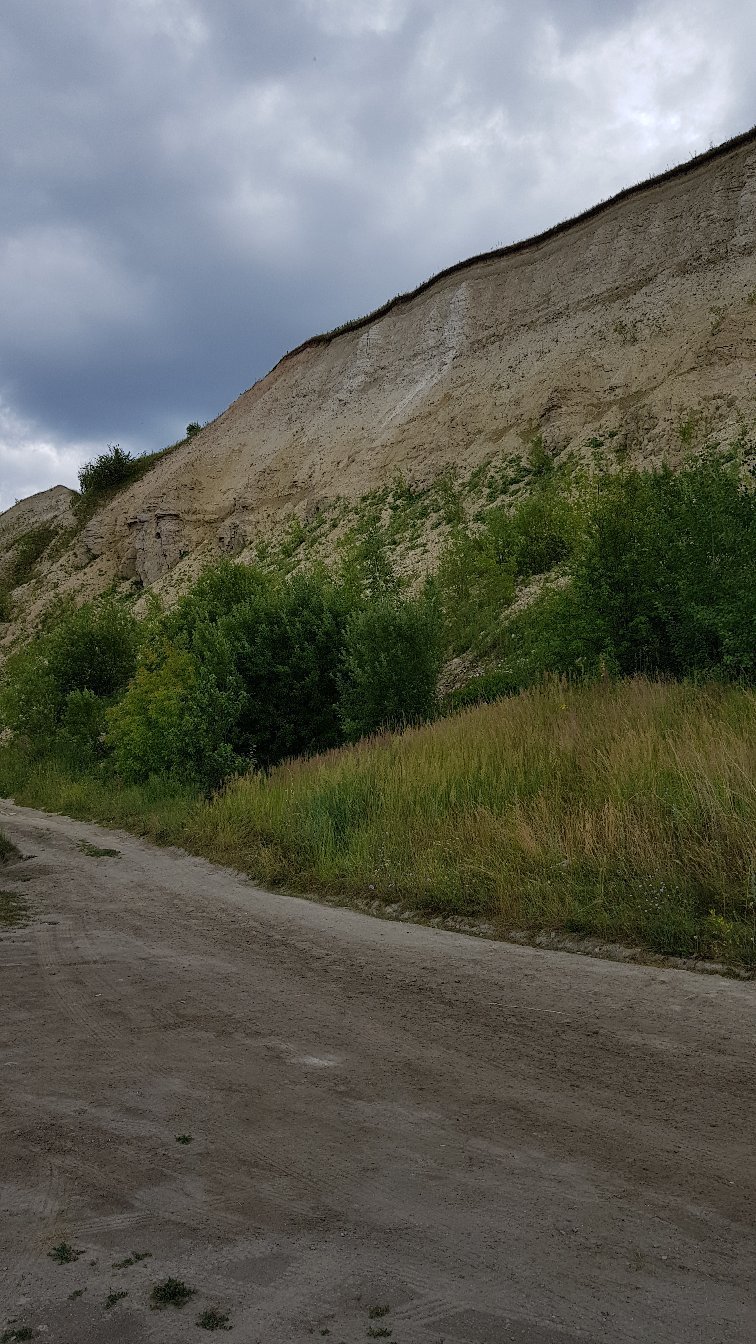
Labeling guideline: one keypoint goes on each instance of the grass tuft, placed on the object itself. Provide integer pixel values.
(214, 1320)
(95, 852)
(8, 850)
(13, 910)
(64, 1254)
(170, 1293)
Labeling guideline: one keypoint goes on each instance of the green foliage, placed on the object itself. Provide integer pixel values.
(662, 582)
(26, 551)
(19, 568)
(212, 1319)
(8, 850)
(392, 661)
(245, 669)
(476, 583)
(82, 727)
(175, 721)
(193, 428)
(110, 469)
(171, 1293)
(110, 472)
(366, 568)
(541, 531)
(58, 684)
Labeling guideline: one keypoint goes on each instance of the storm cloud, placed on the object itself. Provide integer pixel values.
(192, 187)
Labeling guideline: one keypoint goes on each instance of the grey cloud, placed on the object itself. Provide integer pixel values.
(194, 186)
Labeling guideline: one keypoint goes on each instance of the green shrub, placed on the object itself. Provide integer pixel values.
(662, 582)
(476, 584)
(89, 650)
(175, 720)
(26, 551)
(392, 662)
(246, 668)
(542, 530)
(112, 468)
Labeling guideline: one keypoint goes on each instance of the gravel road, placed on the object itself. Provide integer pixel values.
(393, 1132)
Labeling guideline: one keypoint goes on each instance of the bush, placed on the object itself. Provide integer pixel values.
(662, 583)
(476, 584)
(246, 668)
(89, 650)
(392, 662)
(111, 469)
(175, 720)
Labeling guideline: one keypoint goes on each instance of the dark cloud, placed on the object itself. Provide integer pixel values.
(193, 186)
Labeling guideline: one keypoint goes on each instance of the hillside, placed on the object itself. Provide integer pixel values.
(633, 326)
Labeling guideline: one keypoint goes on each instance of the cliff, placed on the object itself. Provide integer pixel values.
(637, 320)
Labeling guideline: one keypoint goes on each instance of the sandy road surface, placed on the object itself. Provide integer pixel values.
(496, 1143)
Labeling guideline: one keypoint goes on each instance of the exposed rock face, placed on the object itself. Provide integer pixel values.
(48, 508)
(639, 317)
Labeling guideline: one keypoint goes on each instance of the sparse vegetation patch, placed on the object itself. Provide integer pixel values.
(214, 1320)
(64, 1254)
(170, 1293)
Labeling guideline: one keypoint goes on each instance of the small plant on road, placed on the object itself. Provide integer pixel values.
(214, 1320)
(64, 1254)
(112, 1298)
(12, 908)
(94, 851)
(183, 1138)
(170, 1293)
(8, 850)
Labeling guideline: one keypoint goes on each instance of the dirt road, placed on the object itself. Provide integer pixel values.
(494, 1143)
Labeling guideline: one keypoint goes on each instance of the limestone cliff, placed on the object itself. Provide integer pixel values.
(638, 317)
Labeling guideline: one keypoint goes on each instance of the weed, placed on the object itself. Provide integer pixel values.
(627, 332)
(26, 550)
(718, 314)
(95, 852)
(16, 1333)
(213, 1320)
(8, 850)
(170, 1293)
(687, 428)
(112, 1298)
(12, 909)
(64, 1254)
(379, 1332)
(375, 1313)
(77, 1292)
(183, 1138)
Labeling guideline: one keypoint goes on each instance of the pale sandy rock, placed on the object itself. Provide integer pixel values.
(633, 318)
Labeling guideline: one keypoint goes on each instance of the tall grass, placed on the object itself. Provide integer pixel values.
(621, 810)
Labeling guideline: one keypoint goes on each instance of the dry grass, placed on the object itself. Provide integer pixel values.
(626, 811)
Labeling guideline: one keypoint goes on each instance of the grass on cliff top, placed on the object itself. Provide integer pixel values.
(625, 811)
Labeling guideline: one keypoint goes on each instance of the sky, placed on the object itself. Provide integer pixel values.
(192, 187)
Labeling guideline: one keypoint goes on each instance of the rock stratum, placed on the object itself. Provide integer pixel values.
(636, 320)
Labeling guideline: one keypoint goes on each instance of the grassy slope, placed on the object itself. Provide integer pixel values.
(626, 811)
